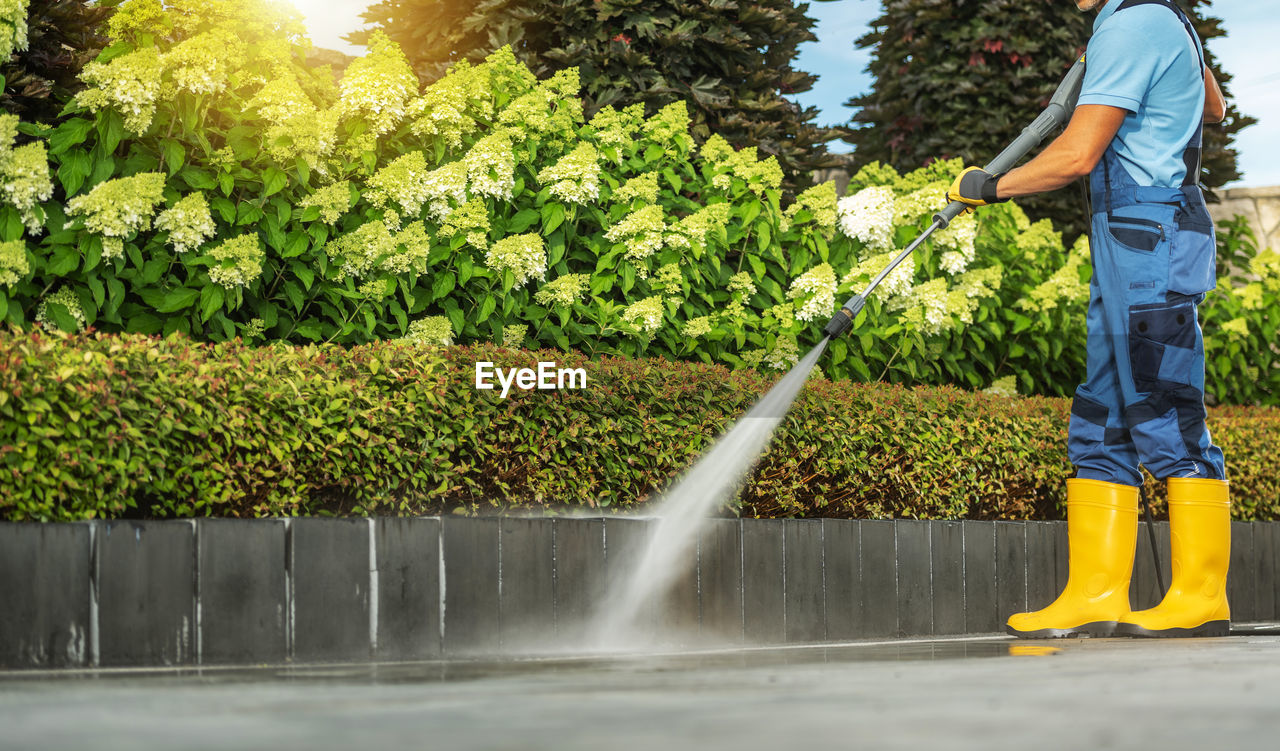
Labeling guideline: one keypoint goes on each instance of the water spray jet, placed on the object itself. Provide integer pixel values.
(710, 482)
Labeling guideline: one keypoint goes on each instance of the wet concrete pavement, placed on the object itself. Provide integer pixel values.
(977, 693)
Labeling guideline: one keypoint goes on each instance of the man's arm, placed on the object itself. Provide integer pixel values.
(1215, 107)
(1070, 156)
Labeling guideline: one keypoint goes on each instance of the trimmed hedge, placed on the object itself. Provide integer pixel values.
(96, 425)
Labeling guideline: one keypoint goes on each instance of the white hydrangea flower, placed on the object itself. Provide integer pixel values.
(867, 216)
(514, 335)
(443, 109)
(491, 166)
(129, 83)
(13, 27)
(417, 246)
(575, 177)
(563, 291)
(202, 63)
(378, 86)
(360, 250)
(525, 255)
(646, 314)
(817, 287)
(402, 182)
(471, 220)
(615, 129)
(928, 306)
(959, 235)
(921, 203)
(697, 226)
(25, 180)
(188, 223)
(66, 296)
(13, 262)
(431, 330)
(246, 256)
(332, 200)
(820, 201)
(445, 184)
(742, 282)
(697, 327)
(785, 354)
(644, 187)
(642, 231)
(118, 208)
(897, 283)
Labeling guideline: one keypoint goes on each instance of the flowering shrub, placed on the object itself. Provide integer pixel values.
(211, 181)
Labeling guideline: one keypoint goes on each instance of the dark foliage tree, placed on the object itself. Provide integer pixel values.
(63, 35)
(730, 59)
(963, 77)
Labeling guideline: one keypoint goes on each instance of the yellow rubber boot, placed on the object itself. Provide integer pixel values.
(1102, 533)
(1200, 538)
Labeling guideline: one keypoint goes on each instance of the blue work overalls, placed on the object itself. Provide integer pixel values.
(1142, 401)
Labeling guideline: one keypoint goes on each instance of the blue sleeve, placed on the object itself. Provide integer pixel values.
(1120, 66)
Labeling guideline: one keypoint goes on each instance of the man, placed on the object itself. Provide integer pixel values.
(1136, 133)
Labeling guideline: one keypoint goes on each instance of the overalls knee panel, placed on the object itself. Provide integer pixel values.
(1143, 398)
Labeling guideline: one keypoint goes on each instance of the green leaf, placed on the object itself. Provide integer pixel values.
(76, 166)
(487, 307)
(466, 268)
(225, 208)
(628, 277)
(294, 294)
(522, 221)
(61, 317)
(153, 269)
(95, 287)
(455, 316)
(211, 298)
(552, 217)
(143, 323)
(178, 299)
(763, 238)
(248, 214)
(273, 181)
(110, 129)
(442, 285)
(304, 274)
(64, 261)
(198, 178)
(174, 155)
(68, 134)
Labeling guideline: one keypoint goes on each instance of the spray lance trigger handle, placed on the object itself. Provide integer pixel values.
(1054, 116)
(842, 321)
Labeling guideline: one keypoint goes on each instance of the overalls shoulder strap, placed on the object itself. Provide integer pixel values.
(1191, 154)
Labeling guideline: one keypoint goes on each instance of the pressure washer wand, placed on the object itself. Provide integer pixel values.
(1056, 115)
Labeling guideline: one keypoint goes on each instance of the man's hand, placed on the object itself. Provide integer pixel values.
(976, 187)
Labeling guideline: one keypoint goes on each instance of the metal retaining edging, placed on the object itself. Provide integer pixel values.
(226, 591)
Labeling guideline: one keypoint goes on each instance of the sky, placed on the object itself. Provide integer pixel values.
(1247, 52)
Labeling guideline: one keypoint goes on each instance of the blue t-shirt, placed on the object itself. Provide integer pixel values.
(1144, 61)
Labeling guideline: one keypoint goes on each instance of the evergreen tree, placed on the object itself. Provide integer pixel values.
(730, 59)
(963, 77)
(62, 35)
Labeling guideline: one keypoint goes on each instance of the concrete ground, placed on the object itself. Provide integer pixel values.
(980, 693)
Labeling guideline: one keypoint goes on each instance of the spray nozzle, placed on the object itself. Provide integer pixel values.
(842, 321)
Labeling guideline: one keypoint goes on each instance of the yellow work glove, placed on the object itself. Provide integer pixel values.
(976, 187)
